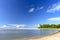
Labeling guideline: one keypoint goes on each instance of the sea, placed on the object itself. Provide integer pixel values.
(19, 34)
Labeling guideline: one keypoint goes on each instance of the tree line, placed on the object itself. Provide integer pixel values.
(49, 26)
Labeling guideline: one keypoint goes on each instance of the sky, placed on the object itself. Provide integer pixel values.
(29, 13)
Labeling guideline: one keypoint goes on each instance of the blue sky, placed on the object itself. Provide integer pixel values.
(29, 12)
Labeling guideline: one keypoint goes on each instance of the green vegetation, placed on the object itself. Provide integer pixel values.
(49, 26)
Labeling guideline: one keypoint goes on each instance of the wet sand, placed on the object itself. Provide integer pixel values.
(55, 36)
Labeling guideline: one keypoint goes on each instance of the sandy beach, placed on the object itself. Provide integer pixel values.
(55, 36)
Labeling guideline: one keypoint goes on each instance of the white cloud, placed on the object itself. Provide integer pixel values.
(54, 19)
(17, 25)
(39, 8)
(20, 26)
(31, 10)
(37, 25)
(4, 26)
(29, 28)
(13, 26)
(54, 8)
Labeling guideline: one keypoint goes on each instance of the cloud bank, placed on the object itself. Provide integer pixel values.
(19, 26)
(13, 26)
(55, 19)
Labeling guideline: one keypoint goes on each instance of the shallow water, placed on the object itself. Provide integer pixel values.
(23, 34)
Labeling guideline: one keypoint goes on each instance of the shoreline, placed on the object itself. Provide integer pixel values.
(54, 36)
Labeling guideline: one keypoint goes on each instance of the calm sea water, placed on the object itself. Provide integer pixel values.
(21, 34)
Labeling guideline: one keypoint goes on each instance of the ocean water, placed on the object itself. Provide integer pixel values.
(23, 34)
